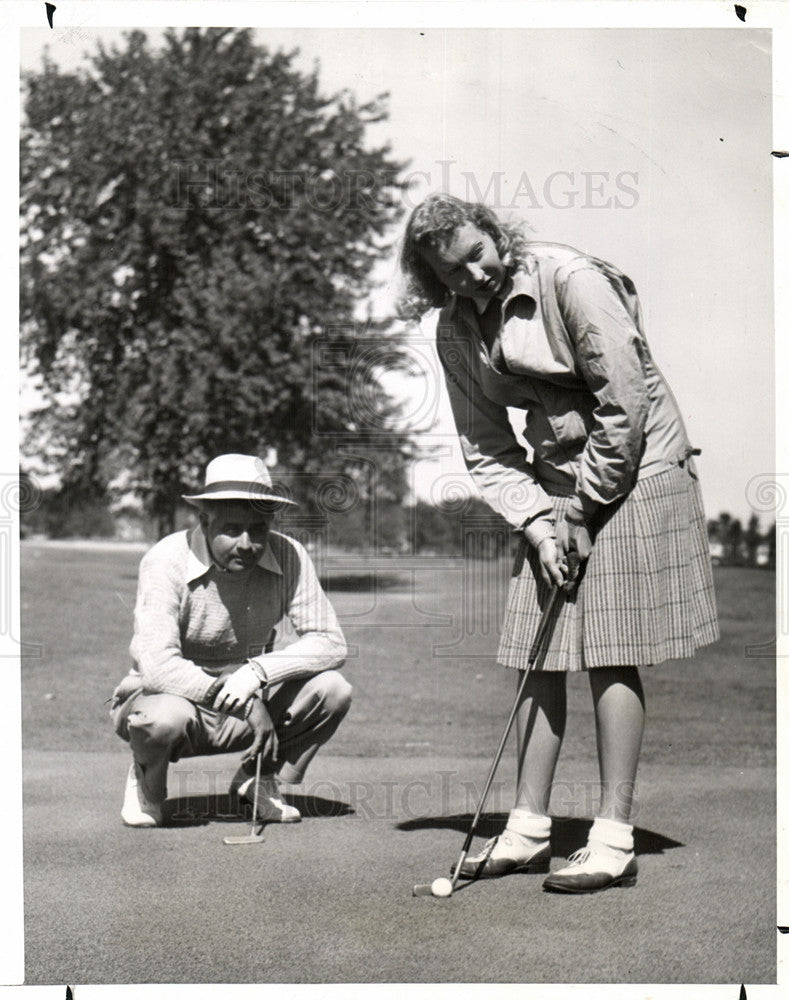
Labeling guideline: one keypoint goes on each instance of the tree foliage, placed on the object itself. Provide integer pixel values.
(731, 544)
(198, 221)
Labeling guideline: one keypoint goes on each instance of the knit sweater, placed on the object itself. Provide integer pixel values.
(193, 620)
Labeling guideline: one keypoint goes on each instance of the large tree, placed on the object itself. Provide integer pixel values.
(199, 222)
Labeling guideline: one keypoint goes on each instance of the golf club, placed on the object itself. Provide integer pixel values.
(253, 837)
(443, 887)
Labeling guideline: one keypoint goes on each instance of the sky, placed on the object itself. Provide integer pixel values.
(646, 147)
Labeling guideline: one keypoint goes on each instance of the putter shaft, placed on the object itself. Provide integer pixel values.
(537, 654)
(253, 837)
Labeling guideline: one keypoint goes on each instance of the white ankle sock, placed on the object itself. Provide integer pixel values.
(528, 825)
(248, 785)
(612, 833)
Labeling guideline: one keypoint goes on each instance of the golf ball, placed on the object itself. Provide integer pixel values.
(441, 887)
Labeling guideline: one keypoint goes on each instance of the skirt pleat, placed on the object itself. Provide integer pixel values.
(646, 592)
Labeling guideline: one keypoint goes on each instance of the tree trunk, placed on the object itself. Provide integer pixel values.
(165, 522)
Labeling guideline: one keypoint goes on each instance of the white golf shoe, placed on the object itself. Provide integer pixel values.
(138, 809)
(507, 854)
(593, 868)
(271, 807)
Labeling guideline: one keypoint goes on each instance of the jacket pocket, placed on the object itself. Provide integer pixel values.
(571, 416)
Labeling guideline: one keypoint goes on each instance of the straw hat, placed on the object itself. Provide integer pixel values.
(237, 477)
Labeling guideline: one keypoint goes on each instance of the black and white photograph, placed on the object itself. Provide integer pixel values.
(395, 502)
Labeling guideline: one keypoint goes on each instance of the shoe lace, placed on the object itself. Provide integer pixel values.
(488, 848)
(579, 857)
(485, 853)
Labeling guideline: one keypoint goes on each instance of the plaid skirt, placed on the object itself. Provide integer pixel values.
(646, 592)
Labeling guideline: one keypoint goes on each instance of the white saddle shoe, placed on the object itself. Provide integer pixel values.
(138, 809)
(271, 807)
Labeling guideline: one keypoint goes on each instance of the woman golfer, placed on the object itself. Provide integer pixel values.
(608, 475)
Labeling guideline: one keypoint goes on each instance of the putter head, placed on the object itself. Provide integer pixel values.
(441, 888)
(249, 838)
(423, 890)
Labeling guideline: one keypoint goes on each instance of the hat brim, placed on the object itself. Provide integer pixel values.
(250, 495)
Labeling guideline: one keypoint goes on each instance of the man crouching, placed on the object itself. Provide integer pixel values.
(205, 679)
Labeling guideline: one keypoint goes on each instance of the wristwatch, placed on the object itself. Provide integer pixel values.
(260, 676)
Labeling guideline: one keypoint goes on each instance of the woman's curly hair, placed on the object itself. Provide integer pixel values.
(432, 224)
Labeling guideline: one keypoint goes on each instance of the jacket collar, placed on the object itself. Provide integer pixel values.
(200, 562)
(523, 281)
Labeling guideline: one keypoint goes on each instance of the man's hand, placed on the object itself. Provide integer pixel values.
(239, 687)
(264, 735)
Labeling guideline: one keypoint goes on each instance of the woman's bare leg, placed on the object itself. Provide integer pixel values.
(619, 715)
(540, 726)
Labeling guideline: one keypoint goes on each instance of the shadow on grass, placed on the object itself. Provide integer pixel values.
(362, 582)
(198, 810)
(567, 834)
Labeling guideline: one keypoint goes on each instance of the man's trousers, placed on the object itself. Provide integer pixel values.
(161, 728)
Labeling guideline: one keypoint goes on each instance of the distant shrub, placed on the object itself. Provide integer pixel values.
(65, 514)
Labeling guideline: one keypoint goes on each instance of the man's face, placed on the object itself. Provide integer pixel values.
(236, 533)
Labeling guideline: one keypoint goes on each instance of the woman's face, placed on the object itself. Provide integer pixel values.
(469, 265)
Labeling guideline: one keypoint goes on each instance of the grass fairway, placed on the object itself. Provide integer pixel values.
(423, 635)
(388, 800)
